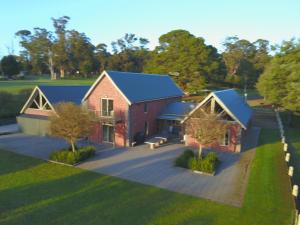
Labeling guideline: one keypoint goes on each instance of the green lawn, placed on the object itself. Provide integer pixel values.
(15, 86)
(35, 192)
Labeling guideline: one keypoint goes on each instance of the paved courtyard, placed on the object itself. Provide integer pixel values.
(155, 167)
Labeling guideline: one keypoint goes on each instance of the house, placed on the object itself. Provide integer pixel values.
(128, 104)
(33, 118)
(233, 109)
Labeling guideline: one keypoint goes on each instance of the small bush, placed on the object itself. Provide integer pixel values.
(184, 158)
(206, 164)
(69, 157)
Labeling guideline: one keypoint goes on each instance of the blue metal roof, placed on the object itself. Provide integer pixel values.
(176, 110)
(138, 87)
(56, 94)
(235, 104)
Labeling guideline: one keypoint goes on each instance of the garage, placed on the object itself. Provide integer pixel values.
(34, 116)
(33, 124)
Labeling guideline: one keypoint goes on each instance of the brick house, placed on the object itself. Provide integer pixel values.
(127, 104)
(232, 108)
(130, 104)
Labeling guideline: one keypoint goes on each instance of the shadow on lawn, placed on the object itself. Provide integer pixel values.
(86, 198)
(15, 162)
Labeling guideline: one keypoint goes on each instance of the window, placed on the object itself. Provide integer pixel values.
(226, 139)
(107, 133)
(145, 108)
(146, 129)
(107, 107)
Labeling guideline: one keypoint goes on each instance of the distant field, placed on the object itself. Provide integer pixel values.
(15, 86)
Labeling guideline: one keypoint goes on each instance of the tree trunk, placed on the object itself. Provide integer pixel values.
(62, 72)
(73, 146)
(200, 151)
(50, 64)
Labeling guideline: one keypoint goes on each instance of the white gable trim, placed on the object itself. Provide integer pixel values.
(220, 103)
(104, 73)
(30, 99)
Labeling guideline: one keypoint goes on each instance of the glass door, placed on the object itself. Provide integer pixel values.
(108, 133)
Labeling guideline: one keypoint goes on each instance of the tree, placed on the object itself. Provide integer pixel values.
(9, 65)
(81, 53)
(188, 56)
(245, 61)
(37, 49)
(206, 128)
(102, 57)
(61, 58)
(70, 122)
(130, 53)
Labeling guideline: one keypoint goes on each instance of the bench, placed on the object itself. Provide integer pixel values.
(156, 141)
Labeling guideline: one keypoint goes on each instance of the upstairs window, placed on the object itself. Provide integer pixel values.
(107, 107)
(145, 108)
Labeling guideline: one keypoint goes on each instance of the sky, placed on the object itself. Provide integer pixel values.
(104, 21)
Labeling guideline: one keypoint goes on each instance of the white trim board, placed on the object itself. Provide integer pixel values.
(220, 103)
(104, 73)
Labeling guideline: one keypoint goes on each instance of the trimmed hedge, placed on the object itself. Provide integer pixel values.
(206, 164)
(69, 157)
(184, 158)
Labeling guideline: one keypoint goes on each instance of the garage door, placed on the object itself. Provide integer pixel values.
(33, 125)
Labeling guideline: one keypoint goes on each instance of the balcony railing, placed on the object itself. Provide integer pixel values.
(104, 116)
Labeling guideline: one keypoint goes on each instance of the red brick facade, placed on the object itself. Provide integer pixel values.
(138, 117)
(235, 131)
(106, 90)
(38, 112)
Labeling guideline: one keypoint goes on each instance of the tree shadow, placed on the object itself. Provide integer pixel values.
(12, 162)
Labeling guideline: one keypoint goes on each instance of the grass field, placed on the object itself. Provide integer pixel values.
(15, 86)
(35, 192)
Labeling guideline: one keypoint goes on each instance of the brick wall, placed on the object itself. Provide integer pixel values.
(138, 117)
(106, 89)
(234, 145)
(38, 112)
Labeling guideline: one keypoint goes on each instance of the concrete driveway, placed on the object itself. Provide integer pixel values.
(36, 146)
(156, 167)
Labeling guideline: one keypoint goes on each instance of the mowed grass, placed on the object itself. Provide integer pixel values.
(15, 86)
(35, 192)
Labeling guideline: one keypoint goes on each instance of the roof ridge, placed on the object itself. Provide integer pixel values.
(151, 74)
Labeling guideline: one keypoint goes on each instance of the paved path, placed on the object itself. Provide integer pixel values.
(9, 129)
(35, 146)
(156, 167)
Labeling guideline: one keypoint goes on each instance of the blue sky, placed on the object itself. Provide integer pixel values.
(107, 20)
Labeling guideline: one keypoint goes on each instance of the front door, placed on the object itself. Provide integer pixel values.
(108, 132)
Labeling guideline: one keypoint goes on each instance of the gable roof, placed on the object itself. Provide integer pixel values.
(139, 87)
(176, 110)
(56, 94)
(232, 103)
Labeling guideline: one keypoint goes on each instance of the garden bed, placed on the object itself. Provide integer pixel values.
(67, 156)
(205, 165)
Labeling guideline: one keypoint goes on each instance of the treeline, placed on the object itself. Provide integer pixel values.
(192, 63)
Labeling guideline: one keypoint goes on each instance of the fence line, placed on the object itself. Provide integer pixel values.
(290, 172)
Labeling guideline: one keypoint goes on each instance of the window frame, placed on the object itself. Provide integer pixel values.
(107, 114)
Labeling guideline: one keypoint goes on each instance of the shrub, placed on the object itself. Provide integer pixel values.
(69, 157)
(206, 164)
(183, 159)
